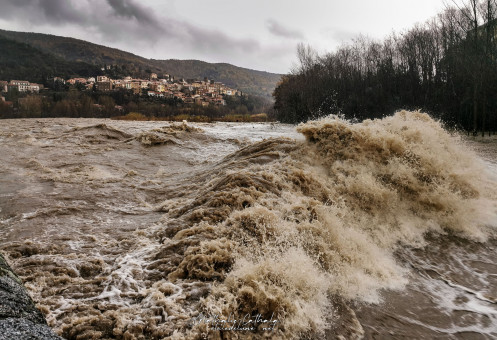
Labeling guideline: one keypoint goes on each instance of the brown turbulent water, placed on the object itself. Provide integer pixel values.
(149, 230)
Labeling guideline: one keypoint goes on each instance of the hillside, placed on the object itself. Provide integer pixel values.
(22, 61)
(250, 81)
(75, 50)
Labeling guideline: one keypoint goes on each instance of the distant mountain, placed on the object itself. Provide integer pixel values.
(75, 50)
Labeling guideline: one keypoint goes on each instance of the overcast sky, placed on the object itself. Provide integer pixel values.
(258, 34)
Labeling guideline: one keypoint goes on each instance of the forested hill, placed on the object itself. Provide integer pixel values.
(24, 62)
(75, 50)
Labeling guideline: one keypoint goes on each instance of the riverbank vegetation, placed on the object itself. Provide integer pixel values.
(446, 67)
(73, 102)
(259, 117)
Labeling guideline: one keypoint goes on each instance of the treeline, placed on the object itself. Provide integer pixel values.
(65, 101)
(446, 66)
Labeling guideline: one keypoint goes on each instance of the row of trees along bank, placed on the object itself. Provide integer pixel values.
(71, 101)
(446, 66)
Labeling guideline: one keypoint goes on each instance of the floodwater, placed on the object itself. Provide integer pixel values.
(152, 230)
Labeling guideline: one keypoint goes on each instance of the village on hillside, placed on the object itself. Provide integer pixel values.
(150, 96)
(201, 92)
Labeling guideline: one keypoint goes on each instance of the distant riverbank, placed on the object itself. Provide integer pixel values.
(260, 117)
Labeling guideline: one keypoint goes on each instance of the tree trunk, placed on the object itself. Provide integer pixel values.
(475, 109)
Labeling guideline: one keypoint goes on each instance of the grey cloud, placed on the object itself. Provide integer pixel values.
(216, 41)
(38, 11)
(61, 11)
(179, 34)
(129, 25)
(128, 9)
(281, 31)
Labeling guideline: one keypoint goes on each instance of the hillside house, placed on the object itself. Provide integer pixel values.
(136, 87)
(35, 88)
(59, 79)
(24, 86)
(20, 85)
(178, 95)
(158, 87)
(155, 94)
(104, 85)
(74, 81)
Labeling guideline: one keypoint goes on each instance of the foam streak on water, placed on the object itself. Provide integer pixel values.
(133, 230)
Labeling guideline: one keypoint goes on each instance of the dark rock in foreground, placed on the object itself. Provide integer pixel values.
(19, 318)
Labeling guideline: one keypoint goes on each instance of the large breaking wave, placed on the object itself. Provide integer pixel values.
(292, 231)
